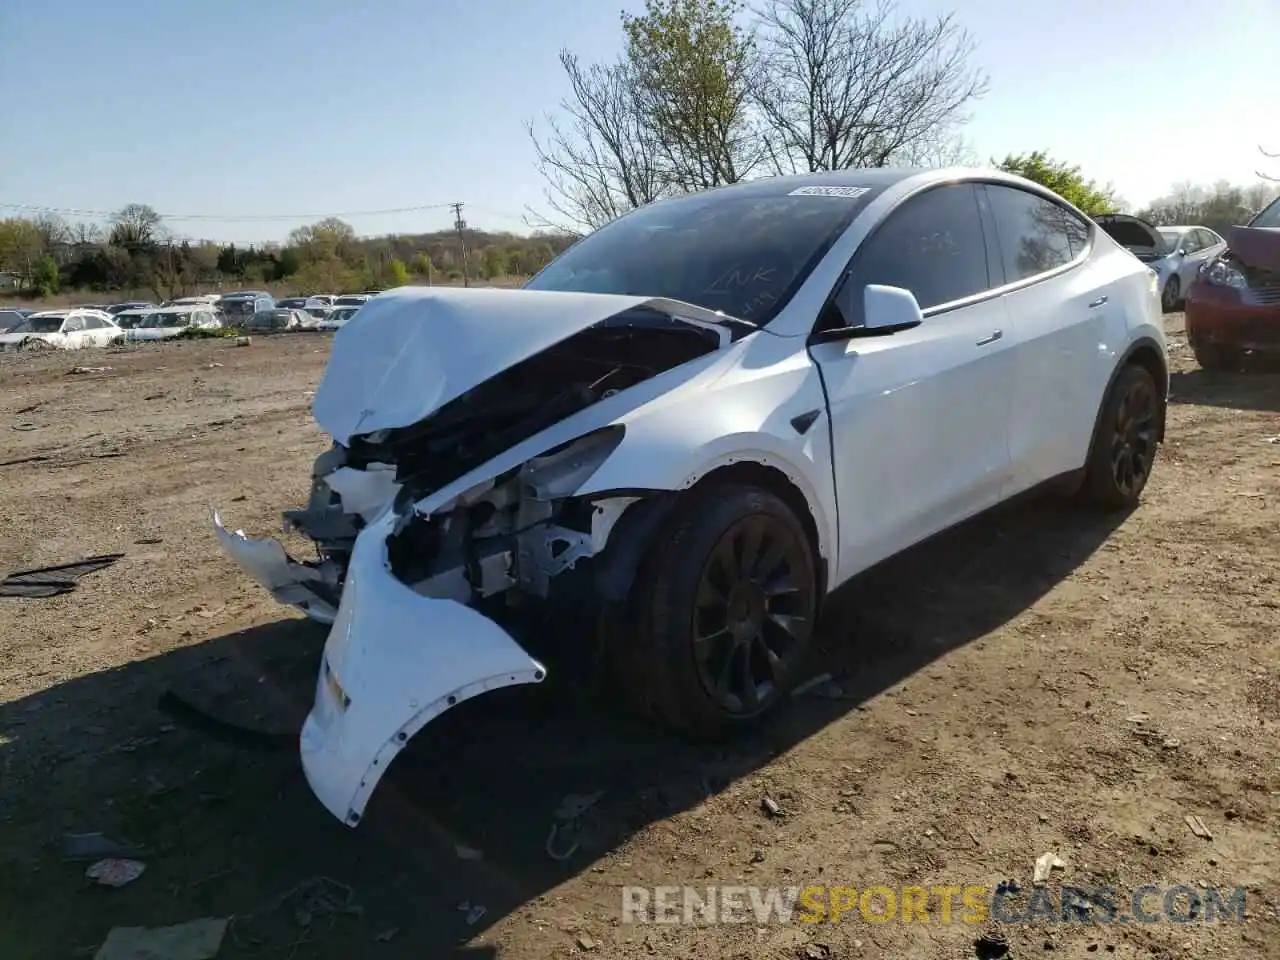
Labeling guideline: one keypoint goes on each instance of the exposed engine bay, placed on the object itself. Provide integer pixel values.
(522, 528)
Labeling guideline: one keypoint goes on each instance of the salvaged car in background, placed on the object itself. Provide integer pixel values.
(1175, 253)
(698, 421)
(1233, 308)
(62, 330)
(169, 322)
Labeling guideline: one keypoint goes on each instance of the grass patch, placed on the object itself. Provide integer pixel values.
(209, 333)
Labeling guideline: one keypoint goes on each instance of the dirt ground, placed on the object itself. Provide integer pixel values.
(991, 685)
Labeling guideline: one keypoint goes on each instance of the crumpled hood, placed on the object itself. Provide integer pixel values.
(409, 351)
(1257, 247)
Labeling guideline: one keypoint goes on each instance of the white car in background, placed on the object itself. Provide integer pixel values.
(169, 322)
(338, 318)
(1175, 253)
(62, 329)
(691, 427)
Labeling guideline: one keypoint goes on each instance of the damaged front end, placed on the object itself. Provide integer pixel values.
(417, 589)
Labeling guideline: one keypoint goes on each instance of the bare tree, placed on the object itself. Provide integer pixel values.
(85, 233)
(135, 225)
(1269, 156)
(600, 160)
(53, 230)
(843, 84)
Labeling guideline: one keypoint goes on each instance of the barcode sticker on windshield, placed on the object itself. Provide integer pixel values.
(849, 193)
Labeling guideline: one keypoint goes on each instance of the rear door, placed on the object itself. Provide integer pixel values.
(919, 418)
(1062, 315)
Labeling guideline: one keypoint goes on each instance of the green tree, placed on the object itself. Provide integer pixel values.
(422, 266)
(1064, 180)
(494, 262)
(289, 263)
(21, 247)
(329, 238)
(692, 66)
(44, 279)
(397, 273)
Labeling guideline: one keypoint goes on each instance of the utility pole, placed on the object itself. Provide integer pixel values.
(460, 225)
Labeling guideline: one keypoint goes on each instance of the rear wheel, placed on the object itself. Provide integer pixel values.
(722, 613)
(1124, 443)
(1172, 294)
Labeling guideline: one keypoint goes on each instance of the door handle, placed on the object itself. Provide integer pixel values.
(1099, 302)
(995, 335)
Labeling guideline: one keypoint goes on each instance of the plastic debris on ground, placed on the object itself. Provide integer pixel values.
(193, 940)
(1046, 863)
(97, 846)
(115, 871)
(54, 580)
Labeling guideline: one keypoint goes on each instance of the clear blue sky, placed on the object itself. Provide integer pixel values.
(272, 107)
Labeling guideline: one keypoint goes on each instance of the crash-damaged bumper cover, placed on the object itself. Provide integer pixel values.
(394, 661)
(403, 555)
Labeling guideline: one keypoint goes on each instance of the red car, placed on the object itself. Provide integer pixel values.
(1233, 307)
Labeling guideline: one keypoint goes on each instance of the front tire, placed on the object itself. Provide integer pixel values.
(1172, 294)
(722, 613)
(1124, 442)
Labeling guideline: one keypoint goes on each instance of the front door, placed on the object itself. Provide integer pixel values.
(920, 418)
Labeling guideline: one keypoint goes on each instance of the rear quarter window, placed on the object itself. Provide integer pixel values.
(1034, 234)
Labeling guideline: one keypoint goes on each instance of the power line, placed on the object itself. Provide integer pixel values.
(226, 218)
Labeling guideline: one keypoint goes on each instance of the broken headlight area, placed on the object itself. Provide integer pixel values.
(514, 534)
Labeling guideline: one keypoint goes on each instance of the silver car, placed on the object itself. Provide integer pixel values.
(1174, 253)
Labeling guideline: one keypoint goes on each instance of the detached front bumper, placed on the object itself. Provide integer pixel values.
(292, 583)
(394, 661)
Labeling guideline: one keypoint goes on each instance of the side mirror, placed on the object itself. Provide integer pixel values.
(885, 311)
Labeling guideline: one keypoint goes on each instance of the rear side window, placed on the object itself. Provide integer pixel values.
(932, 245)
(1035, 234)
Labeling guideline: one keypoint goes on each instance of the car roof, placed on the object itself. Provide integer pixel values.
(175, 308)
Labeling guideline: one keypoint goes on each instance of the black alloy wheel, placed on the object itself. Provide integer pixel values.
(1125, 441)
(1133, 442)
(752, 614)
(720, 620)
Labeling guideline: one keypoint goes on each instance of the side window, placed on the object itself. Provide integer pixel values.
(1207, 238)
(1036, 235)
(932, 245)
(1190, 241)
(73, 325)
(93, 323)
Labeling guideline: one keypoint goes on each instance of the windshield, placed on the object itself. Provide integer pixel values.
(39, 325)
(1269, 217)
(740, 252)
(350, 301)
(291, 302)
(167, 320)
(343, 314)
